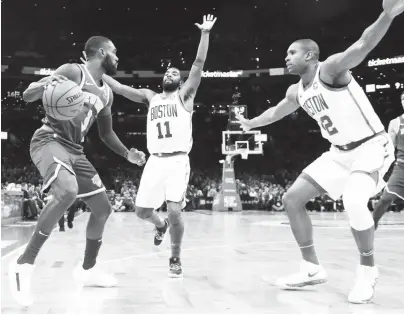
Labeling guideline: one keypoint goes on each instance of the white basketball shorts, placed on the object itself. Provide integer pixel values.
(163, 179)
(332, 169)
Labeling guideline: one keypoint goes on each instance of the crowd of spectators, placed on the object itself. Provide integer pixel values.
(259, 191)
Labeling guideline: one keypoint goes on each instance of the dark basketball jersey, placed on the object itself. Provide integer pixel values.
(400, 139)
(72, 132)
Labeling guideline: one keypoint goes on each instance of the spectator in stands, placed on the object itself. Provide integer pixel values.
(128, 201)
(37, 197)
(117, 204)
(30, 210)
(212, 192)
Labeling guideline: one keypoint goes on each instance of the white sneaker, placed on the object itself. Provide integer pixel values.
(20, 282)
(364, 287)
(309, 274)
(93, 277)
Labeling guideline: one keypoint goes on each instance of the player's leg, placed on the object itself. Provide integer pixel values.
(321, 176)
(294, 201)
(101, 209)
(52, 161)
(370, 165)
(151, 195)
(63, 191)
(382, 205)
(176, 234)
(89, 273)
(394, 190)
(92, 191)
(149, 214)
(359, 189)
(176, 187)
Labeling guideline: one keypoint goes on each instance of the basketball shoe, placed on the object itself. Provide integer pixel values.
(364, 287)
(309, 274)
(93, 277)
(175, 268)
(20, 282)
(160, 233)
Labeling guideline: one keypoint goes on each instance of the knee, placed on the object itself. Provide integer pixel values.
(65, 188)
(143, 213)
(351, 200)
(360, 218)
(106, 211)
(292, 200)
(174, 213)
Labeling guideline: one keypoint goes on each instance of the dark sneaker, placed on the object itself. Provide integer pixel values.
(70, 224)
(160, 233)
(175, 268)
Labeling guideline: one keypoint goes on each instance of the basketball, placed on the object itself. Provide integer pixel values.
(63, 100)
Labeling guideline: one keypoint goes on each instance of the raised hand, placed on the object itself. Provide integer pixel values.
(208, 22)
(393, 7)
(245, 124)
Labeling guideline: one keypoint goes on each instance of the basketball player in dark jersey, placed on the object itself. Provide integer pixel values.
(57, 152)
(395, 185)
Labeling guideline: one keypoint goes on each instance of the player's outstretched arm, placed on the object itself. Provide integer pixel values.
(65, 72)
(189, 88)
(340, 63)
(111, 140)
(137, 95)
(285, 107)
(393, 129)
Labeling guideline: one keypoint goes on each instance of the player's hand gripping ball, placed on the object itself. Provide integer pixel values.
(136, 157)
(393, 7)
(62, 99)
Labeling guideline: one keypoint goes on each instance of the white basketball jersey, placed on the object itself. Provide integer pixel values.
(169, 125)
(344, 114)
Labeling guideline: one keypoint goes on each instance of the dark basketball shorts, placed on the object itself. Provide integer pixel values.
(51, 156)
(395, 185)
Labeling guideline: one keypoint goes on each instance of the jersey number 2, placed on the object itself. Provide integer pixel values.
(328, 125)
(168, 134)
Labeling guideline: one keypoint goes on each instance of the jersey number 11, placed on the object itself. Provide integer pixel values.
(160, 134)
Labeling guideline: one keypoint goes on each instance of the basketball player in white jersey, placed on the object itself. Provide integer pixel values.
(395, 186)
(169, 140)
(360, 154)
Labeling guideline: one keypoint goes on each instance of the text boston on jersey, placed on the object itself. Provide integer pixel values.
(161, 111)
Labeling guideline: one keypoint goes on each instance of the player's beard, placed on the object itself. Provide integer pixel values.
(108, 65)
(170, 87)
